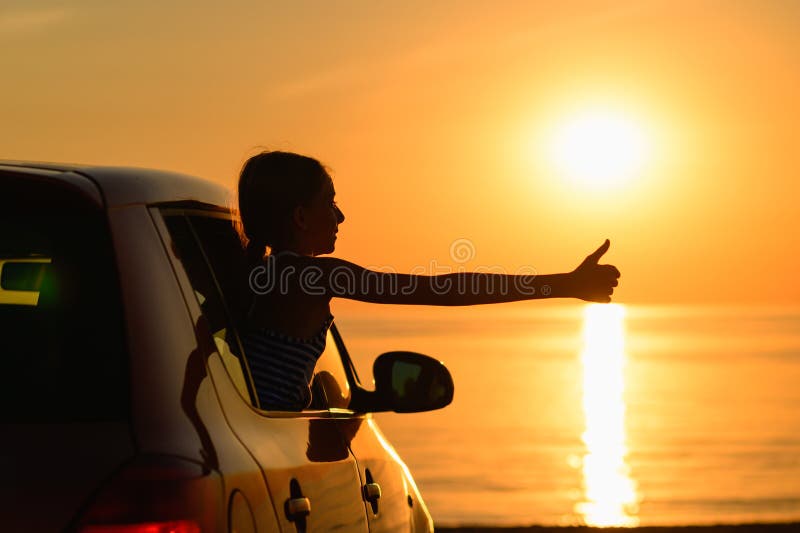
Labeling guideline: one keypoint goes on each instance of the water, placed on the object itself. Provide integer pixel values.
(620, 416)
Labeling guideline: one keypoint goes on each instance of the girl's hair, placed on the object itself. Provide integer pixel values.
(271, 185)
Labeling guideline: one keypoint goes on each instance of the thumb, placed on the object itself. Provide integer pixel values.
(595, 256)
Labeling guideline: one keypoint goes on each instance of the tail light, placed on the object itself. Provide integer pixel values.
(157, 494)
(179, 526)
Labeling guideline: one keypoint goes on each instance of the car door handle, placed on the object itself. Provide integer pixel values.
(372, 492)
(298, 508)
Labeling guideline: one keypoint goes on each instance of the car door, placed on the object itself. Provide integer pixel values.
(311, 475)
(391, 499)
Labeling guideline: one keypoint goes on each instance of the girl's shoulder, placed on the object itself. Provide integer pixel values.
(296, 263)
(285, 280)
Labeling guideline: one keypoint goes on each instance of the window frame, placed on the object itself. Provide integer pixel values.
(160, 213)
(187, 210)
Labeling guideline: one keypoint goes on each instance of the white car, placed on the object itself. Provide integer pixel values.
(124, 405)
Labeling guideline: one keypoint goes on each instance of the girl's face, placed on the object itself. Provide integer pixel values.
(322, 220)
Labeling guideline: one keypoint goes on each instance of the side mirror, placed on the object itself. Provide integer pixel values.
(409, 382)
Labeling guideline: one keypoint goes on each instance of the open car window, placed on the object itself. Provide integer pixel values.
(212, 254)
(206, 289)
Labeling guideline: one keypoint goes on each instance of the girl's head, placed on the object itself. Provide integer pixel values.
(286, 202)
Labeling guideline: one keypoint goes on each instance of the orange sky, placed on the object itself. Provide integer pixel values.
(431, 115)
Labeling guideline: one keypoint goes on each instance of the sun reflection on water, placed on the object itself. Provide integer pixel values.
(609, 496)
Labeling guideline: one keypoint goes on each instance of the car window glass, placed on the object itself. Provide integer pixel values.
(63, 347)
(207, 294)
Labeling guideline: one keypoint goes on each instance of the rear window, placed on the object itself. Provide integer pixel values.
(63, 356)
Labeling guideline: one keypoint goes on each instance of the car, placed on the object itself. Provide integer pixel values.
(125, 404)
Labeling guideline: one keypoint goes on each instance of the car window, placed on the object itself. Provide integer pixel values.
(222, 248)
(61, 321)
(205, 287)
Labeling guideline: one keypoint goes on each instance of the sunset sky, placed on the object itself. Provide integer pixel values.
(438, 118)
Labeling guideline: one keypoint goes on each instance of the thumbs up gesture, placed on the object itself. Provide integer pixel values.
(592, 281)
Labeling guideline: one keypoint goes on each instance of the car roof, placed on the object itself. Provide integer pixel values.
(131, 185)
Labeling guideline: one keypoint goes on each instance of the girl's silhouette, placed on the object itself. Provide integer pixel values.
(289, 219)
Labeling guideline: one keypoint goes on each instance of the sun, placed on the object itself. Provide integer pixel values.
(599, 148)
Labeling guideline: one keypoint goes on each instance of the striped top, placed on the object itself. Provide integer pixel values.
(283, 366)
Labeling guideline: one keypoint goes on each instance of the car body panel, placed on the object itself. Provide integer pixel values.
(161, 341)
(126, 185)
(73, 181)
(306, 447)
(65, 463)
(377, 464)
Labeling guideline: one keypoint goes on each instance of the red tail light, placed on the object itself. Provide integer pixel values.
(179, 526)
(157, 494)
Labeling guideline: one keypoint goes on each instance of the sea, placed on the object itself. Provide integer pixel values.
(602, 415)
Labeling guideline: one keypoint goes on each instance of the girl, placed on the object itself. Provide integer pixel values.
(287, 205)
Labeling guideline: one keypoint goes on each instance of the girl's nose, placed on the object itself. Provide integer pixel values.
(339, 215)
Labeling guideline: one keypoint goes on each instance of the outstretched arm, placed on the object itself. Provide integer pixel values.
(458, 288)
(590, 281)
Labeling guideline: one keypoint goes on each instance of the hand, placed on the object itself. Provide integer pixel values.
(593, 282)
